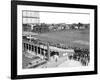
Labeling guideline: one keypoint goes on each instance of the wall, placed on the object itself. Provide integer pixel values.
(5, 41)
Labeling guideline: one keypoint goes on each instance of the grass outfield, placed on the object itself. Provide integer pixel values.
(74, 38)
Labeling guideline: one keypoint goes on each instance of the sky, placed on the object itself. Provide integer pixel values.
(68, 18)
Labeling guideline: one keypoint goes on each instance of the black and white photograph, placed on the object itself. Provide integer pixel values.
(55, 39)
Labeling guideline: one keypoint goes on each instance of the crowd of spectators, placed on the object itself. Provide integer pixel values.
(81, 55)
